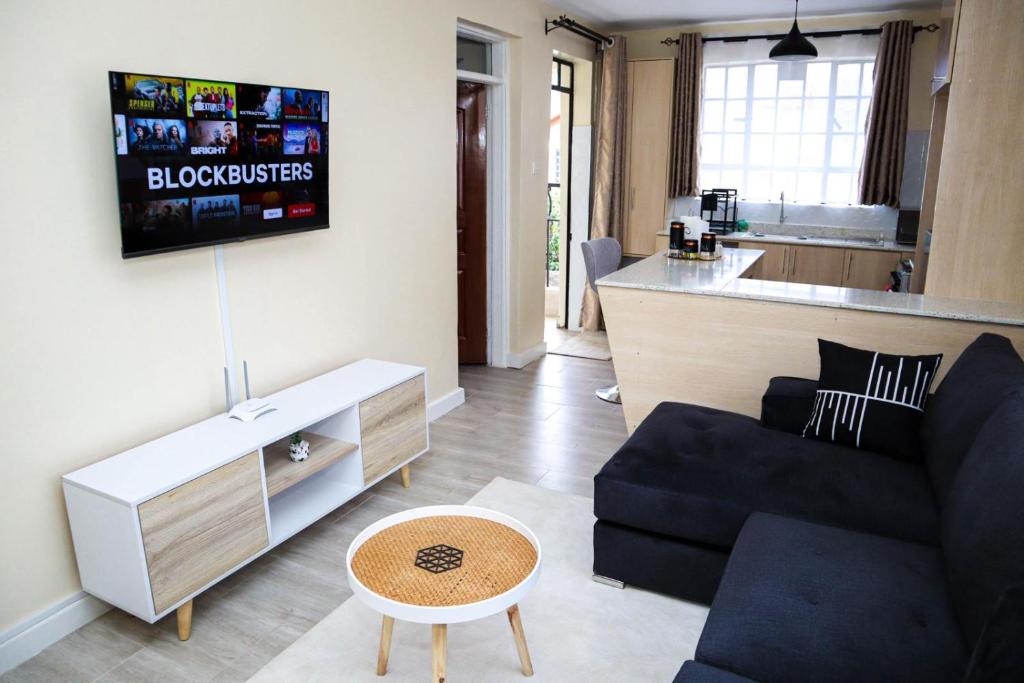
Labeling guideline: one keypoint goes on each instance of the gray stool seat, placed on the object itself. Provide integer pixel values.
(602, 257)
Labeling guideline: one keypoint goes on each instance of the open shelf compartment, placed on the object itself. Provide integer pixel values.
(282, 473)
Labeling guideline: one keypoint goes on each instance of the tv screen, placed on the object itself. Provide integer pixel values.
(203, 162)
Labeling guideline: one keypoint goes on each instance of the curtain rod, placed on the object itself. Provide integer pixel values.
(931, 28)
(579, 29)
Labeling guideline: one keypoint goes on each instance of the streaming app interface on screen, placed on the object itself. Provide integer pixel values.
(204, 162)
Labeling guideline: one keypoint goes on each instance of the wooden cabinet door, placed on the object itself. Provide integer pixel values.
(393, 426)
(869, 269)
(774, 265)
(199, 531)
(649, 127)
(816, 265)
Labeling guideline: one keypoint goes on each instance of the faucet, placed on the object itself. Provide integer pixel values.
(782, 208)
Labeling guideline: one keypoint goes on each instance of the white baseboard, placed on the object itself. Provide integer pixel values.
(447, 403)
(521, 360)
(37, 633)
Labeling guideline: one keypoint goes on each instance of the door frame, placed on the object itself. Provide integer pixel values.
(566, 197)
(498, 189)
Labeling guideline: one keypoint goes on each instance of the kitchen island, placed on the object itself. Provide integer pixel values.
(707, 333)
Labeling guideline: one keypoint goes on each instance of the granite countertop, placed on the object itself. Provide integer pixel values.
(659, 272)
(722, 278)
(812, 241)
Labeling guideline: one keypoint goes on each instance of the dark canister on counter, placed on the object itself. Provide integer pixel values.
(691, 249)
(707, 246)
(676, 235)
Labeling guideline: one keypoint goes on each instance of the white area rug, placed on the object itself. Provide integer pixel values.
(593, 345)
(577, 630)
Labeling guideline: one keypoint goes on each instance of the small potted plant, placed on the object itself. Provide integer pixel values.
(299, 448)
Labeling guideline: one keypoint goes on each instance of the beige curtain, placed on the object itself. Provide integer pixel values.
(882, 170)
(683, 163)
(608, 182)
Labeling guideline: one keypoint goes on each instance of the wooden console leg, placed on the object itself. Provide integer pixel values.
(440, 652)
(406, 476)
(184, 615)
(520, 637)
(385, 644)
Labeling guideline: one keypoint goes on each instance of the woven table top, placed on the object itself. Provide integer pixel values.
(444, 561)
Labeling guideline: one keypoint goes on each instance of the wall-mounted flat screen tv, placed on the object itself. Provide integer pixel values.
(203, 162)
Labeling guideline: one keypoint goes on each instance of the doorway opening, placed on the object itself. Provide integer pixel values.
(482, 195)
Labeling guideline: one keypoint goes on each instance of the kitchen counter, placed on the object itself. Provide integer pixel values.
(839, 243)
(706, 334)
(659, 272)
(723, 278)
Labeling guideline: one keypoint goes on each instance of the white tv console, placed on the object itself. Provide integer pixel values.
(156, 525)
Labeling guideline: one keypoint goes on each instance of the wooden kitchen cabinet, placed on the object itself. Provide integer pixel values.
(649, 124)
(869, 269)
(816, 265)
(773, 265)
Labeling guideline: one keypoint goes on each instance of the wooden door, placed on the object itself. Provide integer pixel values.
(201, 530)
(471, 220)
(816, 265)
(869, 269)
(649, 84)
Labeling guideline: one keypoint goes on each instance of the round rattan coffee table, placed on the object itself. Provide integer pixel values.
(441, 565)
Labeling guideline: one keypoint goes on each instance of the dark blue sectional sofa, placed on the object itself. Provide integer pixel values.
(826, 563)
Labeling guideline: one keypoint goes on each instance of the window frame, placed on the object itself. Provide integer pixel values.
(825, 168)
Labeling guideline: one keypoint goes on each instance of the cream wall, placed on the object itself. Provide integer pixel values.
(646, 45)
(100, 354)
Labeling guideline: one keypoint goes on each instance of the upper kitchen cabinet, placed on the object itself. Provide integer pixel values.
(649, 108)
(949, 24)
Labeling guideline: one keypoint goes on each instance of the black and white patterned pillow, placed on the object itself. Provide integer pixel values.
(871, 400)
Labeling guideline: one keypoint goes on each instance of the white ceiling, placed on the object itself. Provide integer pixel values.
(618, 15)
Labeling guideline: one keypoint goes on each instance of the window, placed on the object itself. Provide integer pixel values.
(472, 55)
(765, 135)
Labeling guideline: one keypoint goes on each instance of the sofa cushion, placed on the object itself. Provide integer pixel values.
(871, 400)
(998, 656)
(787, 403)
(697, 473)
(975, 385)
(695, 672)
(983, 521)
(804, 602)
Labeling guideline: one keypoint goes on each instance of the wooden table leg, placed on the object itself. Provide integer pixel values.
(440, 652)
(520, 637)
(385, 644)
(184, 615)
(406, 476)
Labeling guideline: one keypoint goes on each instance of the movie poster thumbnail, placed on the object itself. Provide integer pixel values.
(210, 99)
(212, 138)
(120, 134)
(325, 108)
(154, 96)
(157, 216)
(156, 136)
(301, 138)
(301, 202)
(259, 102)
(260, 140)
(213, 212)
(265, 206)
(301, 105)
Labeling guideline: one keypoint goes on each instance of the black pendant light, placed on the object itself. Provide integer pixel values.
(794, 47)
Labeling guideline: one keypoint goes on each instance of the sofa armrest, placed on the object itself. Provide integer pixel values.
(788, 403)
